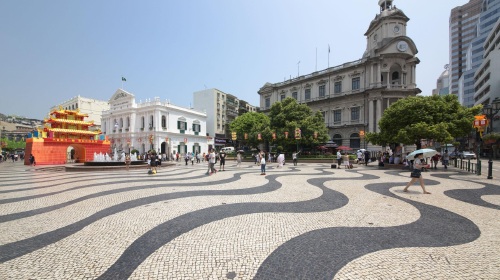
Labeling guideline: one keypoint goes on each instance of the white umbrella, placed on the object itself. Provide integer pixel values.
(426, 152)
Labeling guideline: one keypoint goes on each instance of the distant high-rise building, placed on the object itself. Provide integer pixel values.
(443, 83)
(463, 22)
(221, 108)
(490, 12)
(487, 76)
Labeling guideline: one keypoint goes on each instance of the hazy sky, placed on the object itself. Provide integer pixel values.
(51, 51)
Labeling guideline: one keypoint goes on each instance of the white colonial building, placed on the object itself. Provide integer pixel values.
(89, 106)
(353, 96)
(154, 125)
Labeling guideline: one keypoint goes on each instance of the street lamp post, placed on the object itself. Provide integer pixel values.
(1, 134)
(490, 111)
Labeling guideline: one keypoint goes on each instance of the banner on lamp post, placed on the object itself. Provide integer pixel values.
(259, 136)
(246, 136)
(274, 135)
(286, 134)
(297, 133)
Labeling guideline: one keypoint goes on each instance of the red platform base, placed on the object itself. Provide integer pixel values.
(57, 151)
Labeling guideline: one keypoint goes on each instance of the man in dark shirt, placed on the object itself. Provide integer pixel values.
(222, 158)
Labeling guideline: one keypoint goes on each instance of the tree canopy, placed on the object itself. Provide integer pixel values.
(252, 124)
(283, 117)
(438, 118)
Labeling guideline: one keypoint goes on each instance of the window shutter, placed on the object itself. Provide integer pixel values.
(178, 125)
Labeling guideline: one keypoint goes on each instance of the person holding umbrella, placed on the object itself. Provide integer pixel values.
(416, 174)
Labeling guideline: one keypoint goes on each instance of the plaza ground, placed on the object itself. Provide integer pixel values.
(297, 222)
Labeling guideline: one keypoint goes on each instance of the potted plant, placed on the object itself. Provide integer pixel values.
(491, 138)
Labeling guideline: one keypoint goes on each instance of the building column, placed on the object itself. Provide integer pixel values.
(379, 114)
(379, 74)
(370, 116)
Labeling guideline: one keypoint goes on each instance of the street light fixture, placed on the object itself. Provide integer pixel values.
(490, 110)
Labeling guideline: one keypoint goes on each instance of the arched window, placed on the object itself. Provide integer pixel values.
(395, 75)
(127, 125)
(151, 124)
(142, 123)
(163, 121)
(196, 127)
(181, 124)
(337, 139)
(121, 123)
(355, 141)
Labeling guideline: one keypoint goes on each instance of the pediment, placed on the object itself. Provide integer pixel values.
(121, 94)
(398, 45)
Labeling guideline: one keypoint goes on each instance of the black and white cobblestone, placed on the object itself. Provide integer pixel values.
(303, 222)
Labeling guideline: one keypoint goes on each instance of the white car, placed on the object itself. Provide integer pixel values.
(468, 155)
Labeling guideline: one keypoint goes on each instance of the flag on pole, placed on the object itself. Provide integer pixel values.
(328, 48)
(123, 79)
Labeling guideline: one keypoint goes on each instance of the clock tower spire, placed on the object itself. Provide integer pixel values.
(385, 5)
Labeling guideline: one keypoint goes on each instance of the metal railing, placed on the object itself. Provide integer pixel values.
(466, 165)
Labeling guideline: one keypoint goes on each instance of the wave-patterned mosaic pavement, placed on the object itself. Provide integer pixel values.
(297, 222)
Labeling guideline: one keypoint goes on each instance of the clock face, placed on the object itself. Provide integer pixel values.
(396, 29)
(402, 46)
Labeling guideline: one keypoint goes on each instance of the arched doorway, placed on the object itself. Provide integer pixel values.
(76, 153)
(337, 139)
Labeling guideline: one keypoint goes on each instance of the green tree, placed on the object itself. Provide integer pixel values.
(11, 145)
(288, 115)
(251, 123)
(438, 118)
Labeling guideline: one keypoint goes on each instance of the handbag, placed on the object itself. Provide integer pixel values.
(416, 173)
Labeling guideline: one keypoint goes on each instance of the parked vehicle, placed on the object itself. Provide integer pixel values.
(228, 150)
(455, 154)
(468, 155)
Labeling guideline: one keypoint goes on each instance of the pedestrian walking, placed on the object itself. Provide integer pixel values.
(263, 164)
(367, 157)
(281, 160)
(446, 159)
(211, 160)
(238, 159)
(294, 158)
(152, 159)
(345, 159)
(416, 173)
(435, 159)
(127, 161)
(32, 160)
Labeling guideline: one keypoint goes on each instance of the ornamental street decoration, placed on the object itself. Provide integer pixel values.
(286, 134)
(297, 133)
(480, 122)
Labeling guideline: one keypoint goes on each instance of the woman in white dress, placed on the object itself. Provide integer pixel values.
(281, 160)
